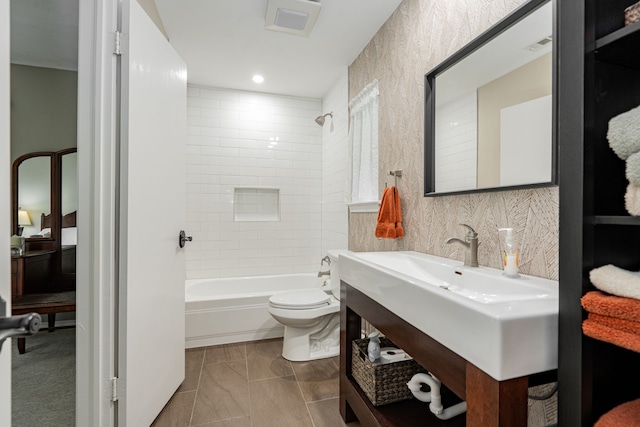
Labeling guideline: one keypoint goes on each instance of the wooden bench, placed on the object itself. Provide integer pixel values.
(49, 304)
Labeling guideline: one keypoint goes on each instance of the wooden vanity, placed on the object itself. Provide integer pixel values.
(489, 402)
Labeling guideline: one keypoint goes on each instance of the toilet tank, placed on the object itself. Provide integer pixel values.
(335, 271)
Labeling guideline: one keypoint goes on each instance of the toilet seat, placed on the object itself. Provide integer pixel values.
(300, 300)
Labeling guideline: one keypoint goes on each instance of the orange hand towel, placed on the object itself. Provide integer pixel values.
(386, 227)
(396, 199)
(611, 305)
(622, 415)
(614, 336)
(389, 224)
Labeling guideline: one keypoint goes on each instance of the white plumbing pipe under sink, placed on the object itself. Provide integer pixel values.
(433, 396)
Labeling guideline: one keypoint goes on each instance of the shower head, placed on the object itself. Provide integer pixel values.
(320, 119)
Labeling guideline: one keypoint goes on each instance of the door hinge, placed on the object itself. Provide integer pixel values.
(114, 389)
(116, 50)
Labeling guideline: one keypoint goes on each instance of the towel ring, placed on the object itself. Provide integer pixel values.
(395, 175)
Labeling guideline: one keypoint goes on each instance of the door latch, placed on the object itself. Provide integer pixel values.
(183, 238)
(17, 326)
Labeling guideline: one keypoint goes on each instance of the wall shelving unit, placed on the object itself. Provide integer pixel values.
(598, 78)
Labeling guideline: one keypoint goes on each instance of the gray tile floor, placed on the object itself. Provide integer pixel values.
(251, 385)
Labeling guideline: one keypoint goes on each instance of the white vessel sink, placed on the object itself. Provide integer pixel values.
(506, 327)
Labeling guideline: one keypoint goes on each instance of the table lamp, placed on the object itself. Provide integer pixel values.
(23, 219)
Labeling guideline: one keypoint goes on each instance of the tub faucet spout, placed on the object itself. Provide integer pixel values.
(323, 273)
(470, 243)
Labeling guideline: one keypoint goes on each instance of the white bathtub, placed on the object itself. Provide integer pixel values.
(222, 311)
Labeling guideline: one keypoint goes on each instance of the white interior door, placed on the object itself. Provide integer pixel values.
(152, 212)
(5, 160)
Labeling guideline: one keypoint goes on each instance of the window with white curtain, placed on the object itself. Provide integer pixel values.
(362, 182)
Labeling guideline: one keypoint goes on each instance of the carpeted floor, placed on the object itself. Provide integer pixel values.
(44, 380)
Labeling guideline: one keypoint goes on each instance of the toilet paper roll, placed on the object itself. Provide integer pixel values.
(391, 354)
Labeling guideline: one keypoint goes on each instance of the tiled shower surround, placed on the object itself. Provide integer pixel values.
(418, 36)
(335, 228)
(250, 140)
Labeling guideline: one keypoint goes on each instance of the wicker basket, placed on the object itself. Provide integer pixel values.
(632, 14)
(382, 383)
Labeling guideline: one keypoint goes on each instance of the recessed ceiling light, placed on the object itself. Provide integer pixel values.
(258, 78)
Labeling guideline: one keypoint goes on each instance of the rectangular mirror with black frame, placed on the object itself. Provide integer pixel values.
(489, 109)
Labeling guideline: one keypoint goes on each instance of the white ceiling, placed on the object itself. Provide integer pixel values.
(223, 42)
(45, 33)
(501, 55)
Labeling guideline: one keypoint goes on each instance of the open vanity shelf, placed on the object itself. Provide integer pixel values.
(599, 78)
(355, 306)
(406, 413)
(489, 402)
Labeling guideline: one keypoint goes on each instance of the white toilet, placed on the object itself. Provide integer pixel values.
(311, 318)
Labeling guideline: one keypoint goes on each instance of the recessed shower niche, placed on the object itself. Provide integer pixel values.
(256, 204)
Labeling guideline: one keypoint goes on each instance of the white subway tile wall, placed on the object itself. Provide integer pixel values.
(335, 219)
(244, 139)
(256, 204)
(456, 133)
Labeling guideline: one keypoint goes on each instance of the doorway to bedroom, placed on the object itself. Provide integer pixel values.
(44, 204)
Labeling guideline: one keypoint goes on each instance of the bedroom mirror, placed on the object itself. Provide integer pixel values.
(32, 188)
(489, 109)
(68, 208)
(44, 186)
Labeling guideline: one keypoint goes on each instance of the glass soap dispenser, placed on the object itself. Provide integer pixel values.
(510, 255)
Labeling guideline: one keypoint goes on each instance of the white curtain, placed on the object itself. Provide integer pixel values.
(362, 183)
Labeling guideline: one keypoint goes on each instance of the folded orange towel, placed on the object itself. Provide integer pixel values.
(622, 415)
(611, 305)
(389, 224)
(600, 332)
(616, 323)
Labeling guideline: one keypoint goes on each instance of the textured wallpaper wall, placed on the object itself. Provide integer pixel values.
(417, 37)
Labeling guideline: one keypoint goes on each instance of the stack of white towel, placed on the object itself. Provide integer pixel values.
(624, 138)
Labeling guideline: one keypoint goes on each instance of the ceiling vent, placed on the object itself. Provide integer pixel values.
(539, 44)
(292, 16)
